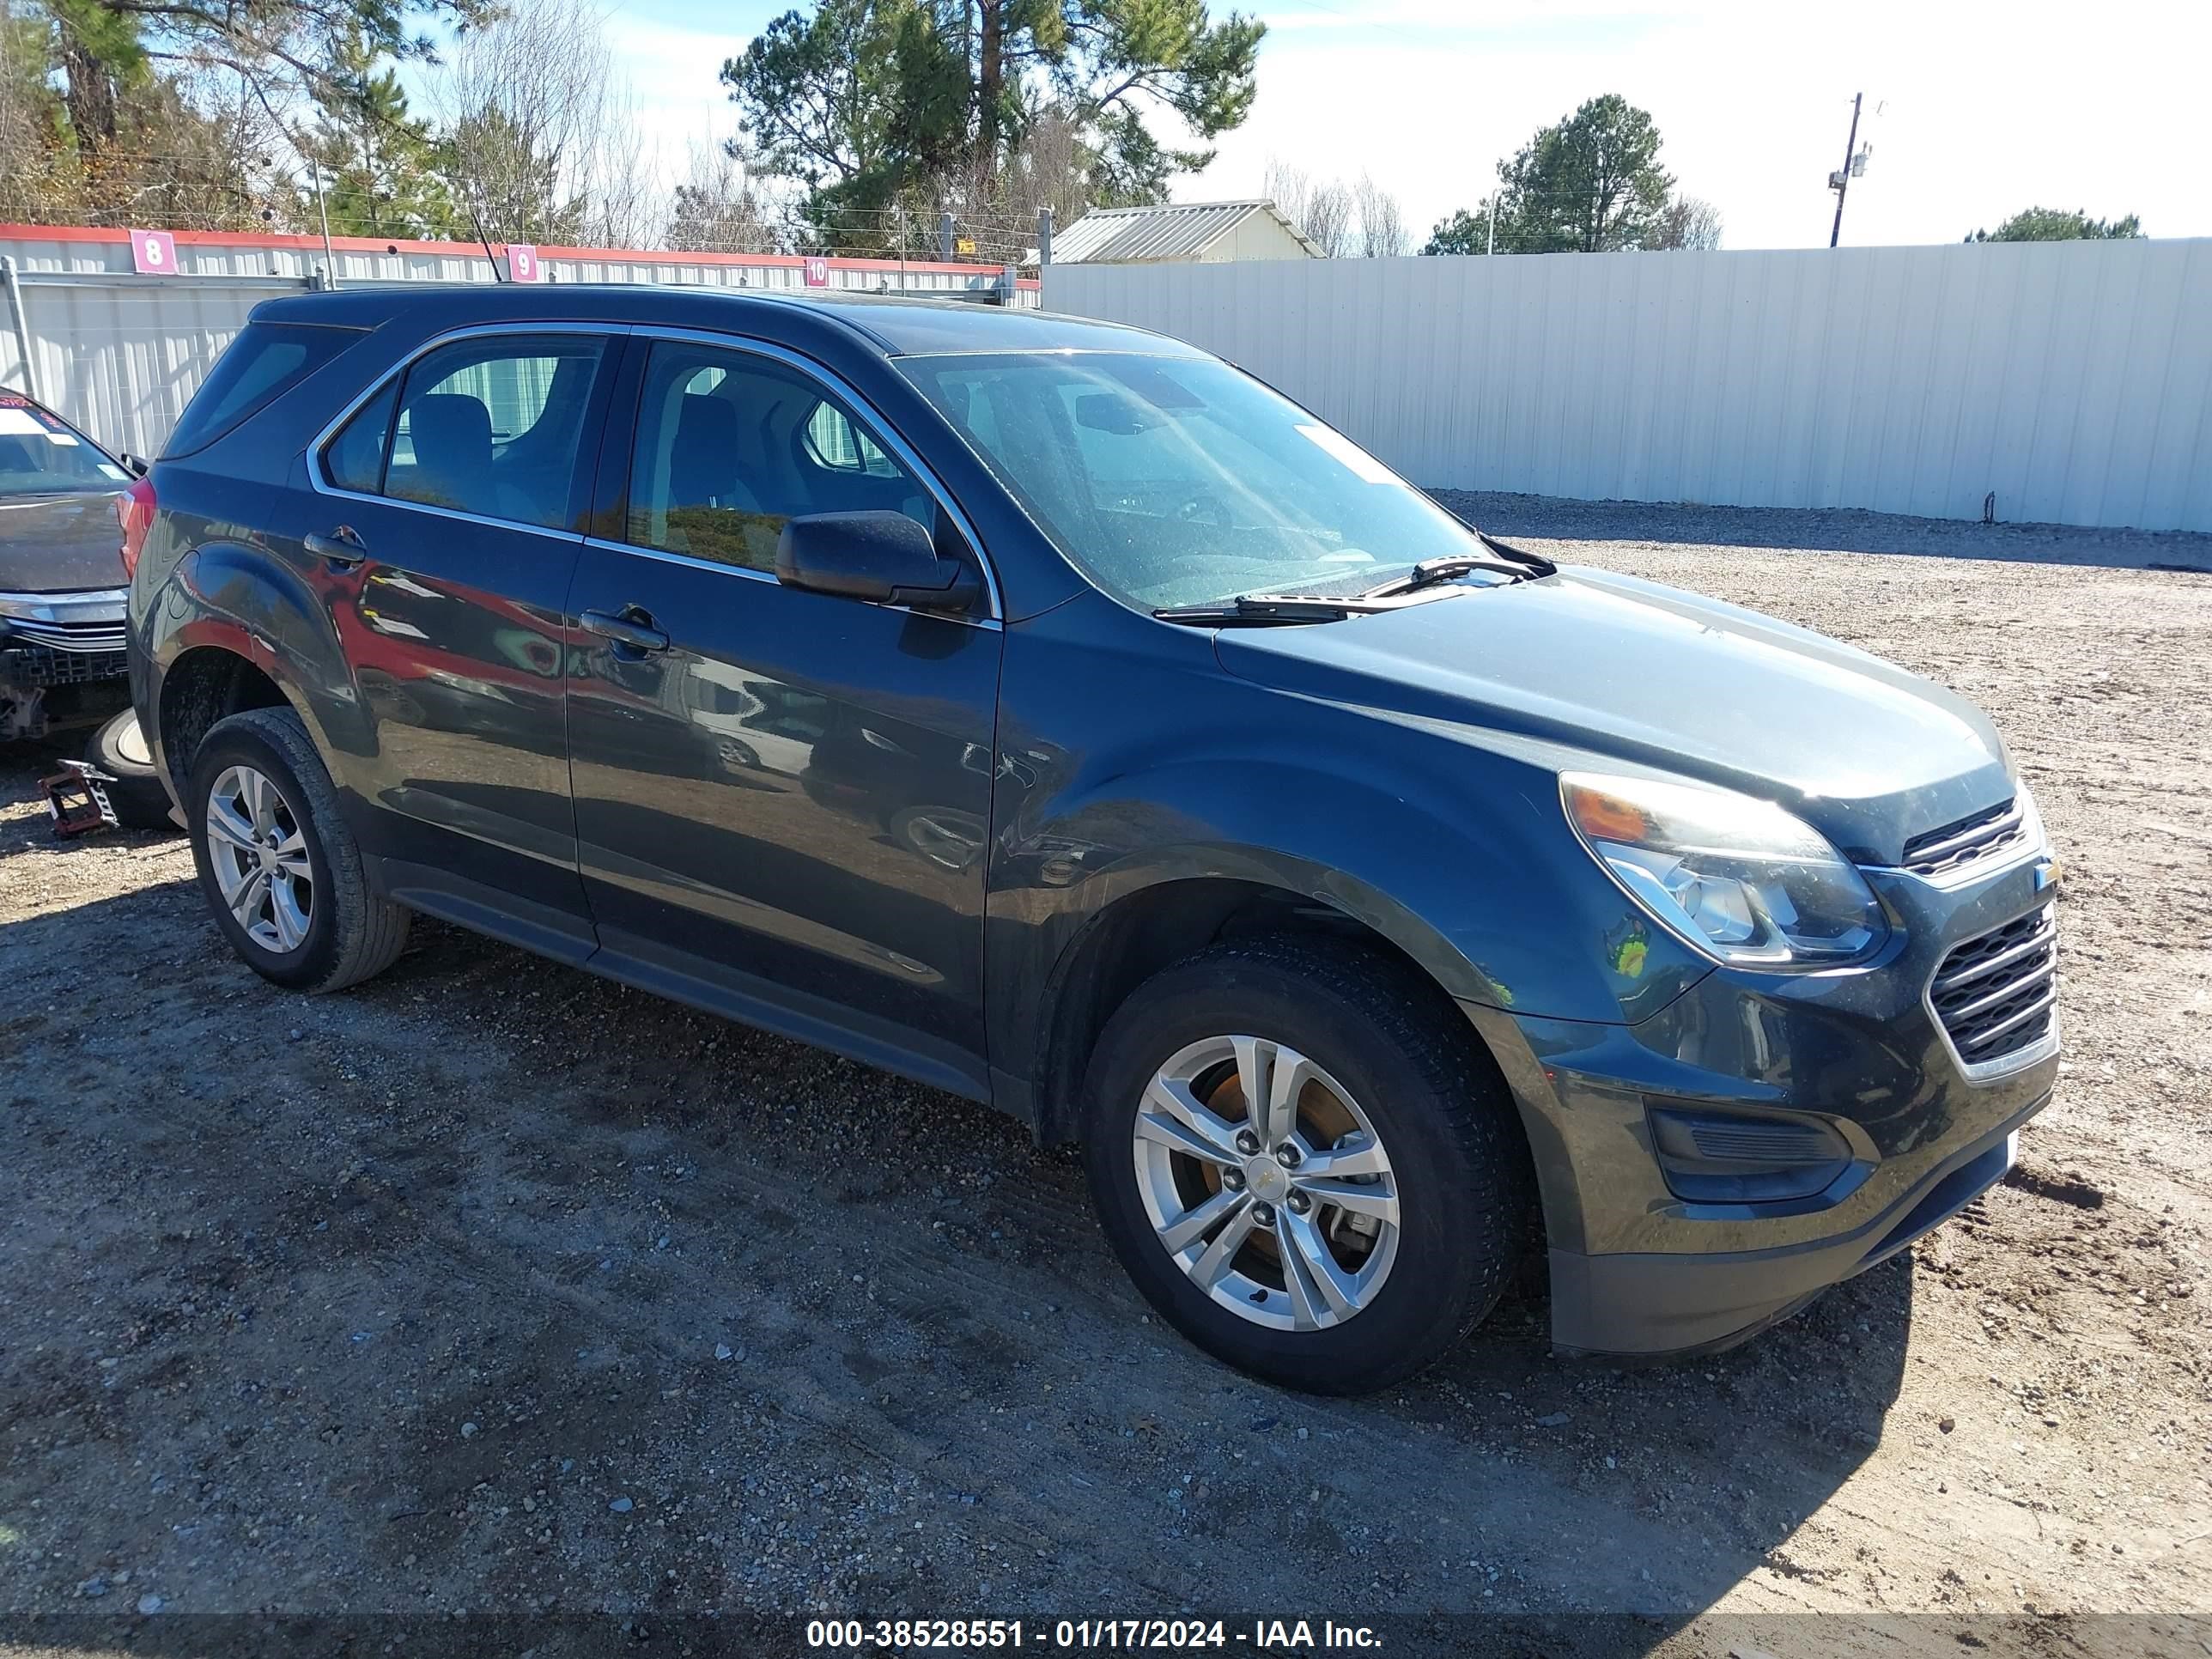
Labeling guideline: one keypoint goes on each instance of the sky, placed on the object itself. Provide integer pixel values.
(1973, 110)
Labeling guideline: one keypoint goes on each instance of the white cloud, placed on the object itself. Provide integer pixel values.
(675, 74)
(1983, 108)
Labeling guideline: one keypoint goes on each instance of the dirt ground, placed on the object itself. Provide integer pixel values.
(494, 1288)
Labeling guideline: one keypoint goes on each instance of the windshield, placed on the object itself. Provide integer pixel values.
(39, 455)
(1181, 481)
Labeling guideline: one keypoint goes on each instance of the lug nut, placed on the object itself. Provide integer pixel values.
(1287, 1156)
(1233, 1179)
(1247, 1142)
(1263, 1215)
(1300, 1203)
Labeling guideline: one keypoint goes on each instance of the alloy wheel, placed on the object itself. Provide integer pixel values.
(1266, 1183)
(260, 853)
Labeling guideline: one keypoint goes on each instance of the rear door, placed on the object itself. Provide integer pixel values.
(782, 798)
(444, 524)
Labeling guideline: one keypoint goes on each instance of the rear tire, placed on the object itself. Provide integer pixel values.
(281, 871)
(1420, 1238)
(140, 799)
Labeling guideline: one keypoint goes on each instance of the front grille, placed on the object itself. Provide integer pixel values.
(67, 636)
(38, 666)
(1996, 994)
(1939, 852)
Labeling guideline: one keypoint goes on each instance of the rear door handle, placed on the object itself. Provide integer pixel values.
(632, 627)
(342, 546)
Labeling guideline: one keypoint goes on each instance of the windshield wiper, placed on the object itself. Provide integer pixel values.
(1505, 560)
(1535, 564)
(1262, 609)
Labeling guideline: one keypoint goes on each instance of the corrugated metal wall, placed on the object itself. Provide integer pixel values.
(120, 354)
(2072, 379)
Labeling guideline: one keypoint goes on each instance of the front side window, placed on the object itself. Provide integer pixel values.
(42, 454)
(1183, 481)
(491, 426)
(731, 446)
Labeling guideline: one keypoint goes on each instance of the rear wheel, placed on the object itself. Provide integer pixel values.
(1305, 1162)
(278, 864)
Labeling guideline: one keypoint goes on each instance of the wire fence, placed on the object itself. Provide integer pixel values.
(681, 224)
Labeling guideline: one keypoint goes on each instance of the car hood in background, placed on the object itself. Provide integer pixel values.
(60, 544)
(1618, 667)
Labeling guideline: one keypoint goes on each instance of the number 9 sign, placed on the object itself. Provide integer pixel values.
(521, 262)
(153, 253)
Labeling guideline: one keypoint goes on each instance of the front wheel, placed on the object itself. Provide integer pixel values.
(118, 749)
(1305, 1162)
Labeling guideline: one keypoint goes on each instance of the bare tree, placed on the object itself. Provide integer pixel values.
(1381, 221)
(716, 209)
(542, 135)
(1325, 211)
(1048, 167)
(1688, 223)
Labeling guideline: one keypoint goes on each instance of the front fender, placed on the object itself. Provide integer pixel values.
(1501, 907)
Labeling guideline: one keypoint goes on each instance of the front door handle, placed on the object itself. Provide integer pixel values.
(342, 546)
(632, 627)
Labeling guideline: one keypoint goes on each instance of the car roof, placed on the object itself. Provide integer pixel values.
(893, 325)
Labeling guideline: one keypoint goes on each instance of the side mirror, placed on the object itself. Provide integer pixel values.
(886, 558)
(136, 466)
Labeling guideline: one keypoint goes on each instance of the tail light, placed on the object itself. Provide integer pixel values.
(135, 507)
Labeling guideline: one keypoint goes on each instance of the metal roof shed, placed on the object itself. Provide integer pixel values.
(1194, 233)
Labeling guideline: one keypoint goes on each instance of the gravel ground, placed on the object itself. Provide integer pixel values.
(494, 1288)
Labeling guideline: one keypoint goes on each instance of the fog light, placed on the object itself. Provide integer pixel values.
(1738, 1158)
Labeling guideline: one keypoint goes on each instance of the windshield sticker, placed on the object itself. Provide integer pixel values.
(15, 421)
(109, 470)
(67, 438)
(1334, 443)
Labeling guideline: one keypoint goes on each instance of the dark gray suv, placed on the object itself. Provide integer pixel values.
(1050, 713)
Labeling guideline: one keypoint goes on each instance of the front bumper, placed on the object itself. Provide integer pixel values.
(1638, 1268)
(62, 659)
(1652, 1304)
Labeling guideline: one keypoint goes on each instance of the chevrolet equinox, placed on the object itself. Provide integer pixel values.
(1052, 714)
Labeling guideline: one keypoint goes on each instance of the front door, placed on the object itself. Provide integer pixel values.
(782, 798)
(444, 534)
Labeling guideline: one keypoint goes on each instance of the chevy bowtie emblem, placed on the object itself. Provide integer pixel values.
(2046, 874)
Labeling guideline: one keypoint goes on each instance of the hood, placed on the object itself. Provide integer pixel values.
(60, 544)
(1660, 678)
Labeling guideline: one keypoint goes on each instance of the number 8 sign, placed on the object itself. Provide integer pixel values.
(153, 253)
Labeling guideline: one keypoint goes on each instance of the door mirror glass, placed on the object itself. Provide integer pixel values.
(883, 556)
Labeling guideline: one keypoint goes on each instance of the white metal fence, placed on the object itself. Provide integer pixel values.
(120, 354)
(2071, 380)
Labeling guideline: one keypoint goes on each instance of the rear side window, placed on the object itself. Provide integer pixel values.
(488, 426)
(265, 359)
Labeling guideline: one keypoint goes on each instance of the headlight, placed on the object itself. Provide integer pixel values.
(1737, 878)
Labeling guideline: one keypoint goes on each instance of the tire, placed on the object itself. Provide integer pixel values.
(350, 932)
(1384, 1049)
(140, 799)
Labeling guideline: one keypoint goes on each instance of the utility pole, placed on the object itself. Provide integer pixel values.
(1842, 181)
(1494, 222)
(330, 258)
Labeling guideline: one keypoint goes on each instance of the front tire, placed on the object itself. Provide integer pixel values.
(279, 866)
(1357, 1225)
(118, 749)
